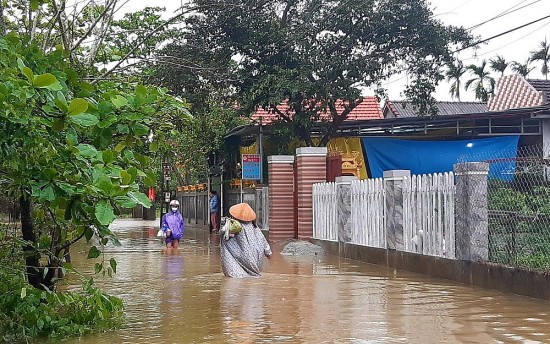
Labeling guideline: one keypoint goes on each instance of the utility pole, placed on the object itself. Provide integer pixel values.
(165, 189)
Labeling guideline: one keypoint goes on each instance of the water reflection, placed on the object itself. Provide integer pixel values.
(183, 298)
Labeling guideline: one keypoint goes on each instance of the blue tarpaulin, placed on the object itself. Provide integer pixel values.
(423, 157)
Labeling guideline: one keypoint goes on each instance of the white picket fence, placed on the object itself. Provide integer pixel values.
(325, 212)
(368, 213)
(428, 214)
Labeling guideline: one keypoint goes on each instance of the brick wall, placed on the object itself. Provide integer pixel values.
(281, 197)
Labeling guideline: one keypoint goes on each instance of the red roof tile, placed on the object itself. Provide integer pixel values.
(368, 109)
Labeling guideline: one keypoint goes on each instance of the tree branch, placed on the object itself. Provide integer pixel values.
(110, 4)
(2, 22)
(158, 28)
(62, 30)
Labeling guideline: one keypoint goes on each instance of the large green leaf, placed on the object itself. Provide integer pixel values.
(126, 177)
(77, 106)
(119, 101)
(140, 198)
(104, 212)
(45, 80)
(108, 156)
(93, 252)
(85, 119)
(86, 150)
(125, 202)
(47, 193)
(104, 183)
(112, 263)
(29, 74)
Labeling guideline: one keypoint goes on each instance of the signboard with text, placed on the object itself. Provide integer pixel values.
(251, 166)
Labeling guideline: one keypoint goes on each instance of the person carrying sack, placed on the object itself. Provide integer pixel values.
(242, 243)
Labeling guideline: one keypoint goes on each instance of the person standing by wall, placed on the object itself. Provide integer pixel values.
(214, 211)
(173, 225)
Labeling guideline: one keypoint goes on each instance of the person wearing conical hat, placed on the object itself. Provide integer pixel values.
(243, 246)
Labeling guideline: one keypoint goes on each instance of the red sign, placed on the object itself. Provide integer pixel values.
(247, 158)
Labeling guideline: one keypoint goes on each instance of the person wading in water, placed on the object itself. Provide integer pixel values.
(173, 225)
(242, 245)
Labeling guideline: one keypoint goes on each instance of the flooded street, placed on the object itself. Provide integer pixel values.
(184, 298)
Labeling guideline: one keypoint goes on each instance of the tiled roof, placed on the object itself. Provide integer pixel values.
(404, 109)
(516, 92)
(540, 85)
(369, 108)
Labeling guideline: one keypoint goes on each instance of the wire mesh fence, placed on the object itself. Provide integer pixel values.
(518, 206)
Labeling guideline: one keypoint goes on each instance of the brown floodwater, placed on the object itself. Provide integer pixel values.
(184, 298)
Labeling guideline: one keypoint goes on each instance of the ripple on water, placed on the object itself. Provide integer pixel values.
(184, 298)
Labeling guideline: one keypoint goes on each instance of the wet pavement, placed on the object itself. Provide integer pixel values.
(184, 298)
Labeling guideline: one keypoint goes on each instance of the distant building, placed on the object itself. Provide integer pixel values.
(516, 92)
(403, 108)
(369, 108)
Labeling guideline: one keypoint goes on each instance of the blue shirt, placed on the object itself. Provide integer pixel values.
(214, 204)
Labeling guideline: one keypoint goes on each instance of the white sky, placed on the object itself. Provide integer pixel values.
(514, 46)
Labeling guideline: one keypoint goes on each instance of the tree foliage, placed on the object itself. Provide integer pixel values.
(454, 74)
(542, 55)
(484, 83)
(312, 53)
(70, 151)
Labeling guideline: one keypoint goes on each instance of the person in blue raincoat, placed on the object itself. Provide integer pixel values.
(173, 225)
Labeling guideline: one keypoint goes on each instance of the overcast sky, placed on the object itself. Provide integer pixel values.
(514, 46)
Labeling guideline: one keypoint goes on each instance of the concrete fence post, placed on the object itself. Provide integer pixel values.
(343, 198)
(311, 168)
(471, 214)
(281, 197)
(394, 208)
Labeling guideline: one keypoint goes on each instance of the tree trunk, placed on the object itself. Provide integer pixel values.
(35, 272)
(2, 22)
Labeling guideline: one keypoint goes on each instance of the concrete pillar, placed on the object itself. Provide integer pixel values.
(137, 212)
(394, 208)
(471, 213)
(281, 197)
(311, 168)
(343, 196)
(546, 145)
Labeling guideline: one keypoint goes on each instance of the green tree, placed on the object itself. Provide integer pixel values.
(314, 53)
(522, 69)
(499, 64)
(454, 75)
(69, 153)
(542, 55)
(484, 83)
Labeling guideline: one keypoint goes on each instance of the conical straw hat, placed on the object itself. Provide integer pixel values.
(242, 212)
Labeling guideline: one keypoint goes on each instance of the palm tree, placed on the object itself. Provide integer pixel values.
(522, 69)
(454, 74)
(499, 64)
(484, 83)
(543, 55)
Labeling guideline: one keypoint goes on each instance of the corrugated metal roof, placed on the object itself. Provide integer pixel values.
(540, 85)
(404, 109)
(369, 108)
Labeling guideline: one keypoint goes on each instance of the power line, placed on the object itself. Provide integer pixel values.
(507, 44)
(505, 13)
(454, 9)
(501, 34)
(480, 42)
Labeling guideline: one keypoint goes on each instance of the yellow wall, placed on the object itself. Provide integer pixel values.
(348, 145)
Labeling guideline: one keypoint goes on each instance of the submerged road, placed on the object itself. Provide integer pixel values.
(184, 298)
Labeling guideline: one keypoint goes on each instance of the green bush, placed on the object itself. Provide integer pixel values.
(26, 312)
